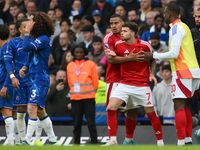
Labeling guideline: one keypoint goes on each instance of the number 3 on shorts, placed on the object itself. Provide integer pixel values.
(33, 93)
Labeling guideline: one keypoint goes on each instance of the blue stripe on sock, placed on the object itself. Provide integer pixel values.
(7, 117)
(44, 118)
(33, 119)
(21, 111)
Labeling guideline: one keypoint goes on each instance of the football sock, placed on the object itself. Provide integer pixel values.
(38, 131)
(112, 123)
(21, 124)
(16, 132)
(156, 125)
(180, 122)
(130, 127)
(9, 125)
(48, 128)
(32, 125)
(188, 131)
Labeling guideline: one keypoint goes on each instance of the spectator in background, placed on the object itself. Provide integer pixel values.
(21, 15)
(77, 9)
(76, 25)
(191, 18)
(108, 29)
(20, 3)
(150, 18)
(72, 37)
(101, 71)
(98, 20)
(66, 59)
(157, 27)
(162, 98)
(156, 42)
(52, 79)
(120, 10)
(97, 54)
(58, 100)
(53, 4)
(158, 10)
(14, 10)
(12, 31)
(52, 15)
(64, 27)
(106, 10)
(82, 71)
(4, 11)
(145, 6)
(162, 63)
(130, 4)
(88, 20)
(53, 68)
(59, 13)
(64, 46)
(88, 33)
(31, 7)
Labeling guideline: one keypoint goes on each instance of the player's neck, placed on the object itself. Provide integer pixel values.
(131, 41)
(22, 36)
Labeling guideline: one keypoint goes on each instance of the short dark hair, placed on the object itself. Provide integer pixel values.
(102, 65)
(4, 32)
(13, 4)
(77, 17)
(155, 35)
(89, 18)
(65, 20)
(166, 67)
(79, 46)
(51, 9)
(19, 22)
(159, 16)
(120, 5)
(132, 26)
(134, 11)
(96, 39)
(173, 7)
(116, 16)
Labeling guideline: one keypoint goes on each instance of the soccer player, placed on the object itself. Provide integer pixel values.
(6, 87)
(16, 55)
(185, 71)
(133, 87)
(40, 28)
(113, 74)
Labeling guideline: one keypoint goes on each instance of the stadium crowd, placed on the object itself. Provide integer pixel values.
(82, 29)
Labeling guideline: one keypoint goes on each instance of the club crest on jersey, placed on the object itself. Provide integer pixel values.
(126, 53)
(106, 46)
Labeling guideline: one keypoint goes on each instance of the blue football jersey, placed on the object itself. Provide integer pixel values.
(39, 51)
(16, 55)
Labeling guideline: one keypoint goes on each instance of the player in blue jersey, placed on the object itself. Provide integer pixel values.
(15, 55)
(39, 28)
(6, 87)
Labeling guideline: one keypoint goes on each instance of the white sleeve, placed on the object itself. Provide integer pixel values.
(177, 33)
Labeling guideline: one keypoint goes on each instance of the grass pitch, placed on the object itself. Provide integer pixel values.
(98, 147)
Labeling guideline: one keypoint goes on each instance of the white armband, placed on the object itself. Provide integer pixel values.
(12, 76)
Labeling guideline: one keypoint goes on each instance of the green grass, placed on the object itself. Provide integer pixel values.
(98, 147)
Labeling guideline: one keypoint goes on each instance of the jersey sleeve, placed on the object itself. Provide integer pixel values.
(8, 57)
(34, 44)
(147, 46)
(108, 43)
(178, 33)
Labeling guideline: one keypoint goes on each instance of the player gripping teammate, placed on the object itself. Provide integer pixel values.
(185, 71)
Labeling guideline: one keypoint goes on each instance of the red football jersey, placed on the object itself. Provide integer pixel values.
(113, 70)
(134, 73)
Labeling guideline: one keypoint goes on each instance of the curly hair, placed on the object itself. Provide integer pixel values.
(43, 25)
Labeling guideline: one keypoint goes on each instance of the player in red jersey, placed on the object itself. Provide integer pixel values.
(113, 73)
(133, 87)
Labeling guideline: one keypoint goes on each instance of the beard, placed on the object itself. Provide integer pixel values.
(156, 46)
(197, 25)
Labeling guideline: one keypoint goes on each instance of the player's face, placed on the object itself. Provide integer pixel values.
(167, 16)
(166, 74)
(23, 27)
(197, 19)
(116, 25)
(79, 53)
(126, 34)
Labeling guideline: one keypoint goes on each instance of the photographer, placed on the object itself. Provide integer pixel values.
(58, 100)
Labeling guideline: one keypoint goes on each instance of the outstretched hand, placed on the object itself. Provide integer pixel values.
(148, 56)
